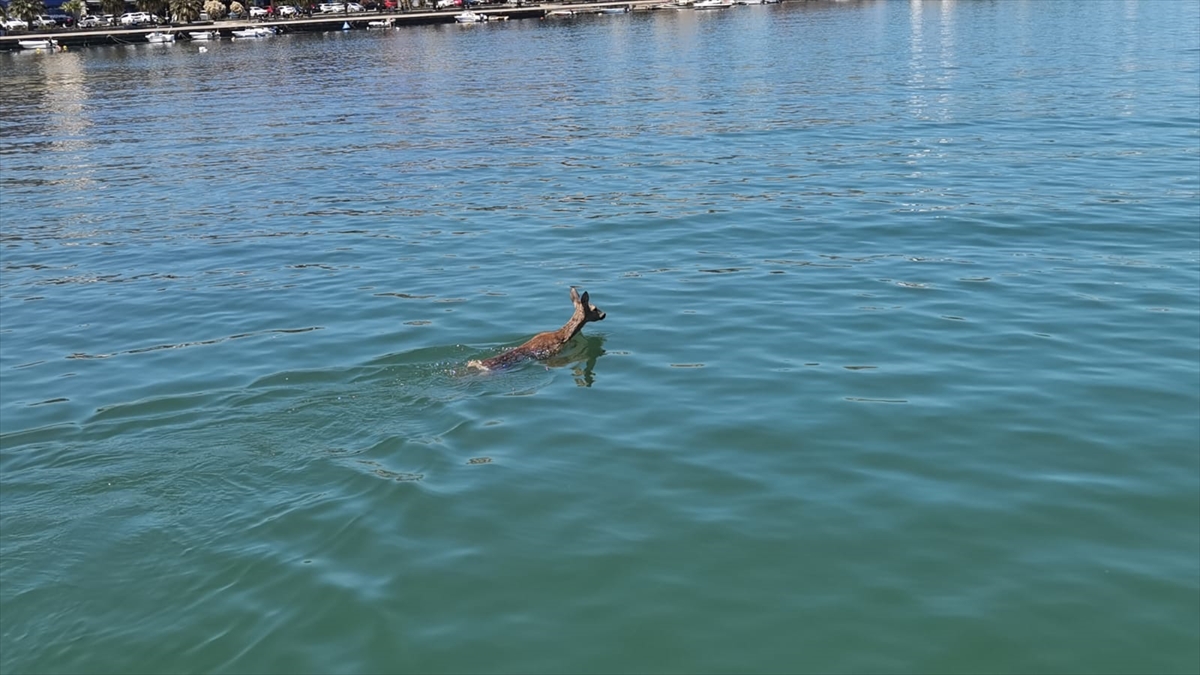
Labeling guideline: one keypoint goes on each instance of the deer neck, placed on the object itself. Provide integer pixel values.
(572, 327)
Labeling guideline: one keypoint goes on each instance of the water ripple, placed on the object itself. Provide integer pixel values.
(900, 351)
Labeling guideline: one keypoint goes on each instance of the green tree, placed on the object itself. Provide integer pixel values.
(185, 11)
(215, 9)
(26, 9)
(114, 7)
(235, 7)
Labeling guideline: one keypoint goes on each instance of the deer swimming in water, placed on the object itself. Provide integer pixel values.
(546, 344)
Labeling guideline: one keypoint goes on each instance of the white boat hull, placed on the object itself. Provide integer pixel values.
(38, 44)
(253, 33)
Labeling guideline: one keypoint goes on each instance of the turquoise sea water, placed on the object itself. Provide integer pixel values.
(901, 369)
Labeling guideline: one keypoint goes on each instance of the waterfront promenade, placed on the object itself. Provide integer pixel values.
(318, 23)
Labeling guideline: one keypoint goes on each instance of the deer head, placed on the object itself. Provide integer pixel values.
(585, 309)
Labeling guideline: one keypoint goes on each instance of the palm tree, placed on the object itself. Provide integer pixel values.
(114, 7)
(75, 8)
(26, 9)
(185, 11)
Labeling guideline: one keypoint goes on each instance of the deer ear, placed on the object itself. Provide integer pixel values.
(584, 300)
(575, 295)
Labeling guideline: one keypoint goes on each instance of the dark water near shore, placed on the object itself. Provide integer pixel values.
(901, 370)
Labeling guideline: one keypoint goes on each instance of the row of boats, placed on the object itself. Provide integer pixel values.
(161, 37)
(718, 4)
(204, 35)
(476, 17)
(675, 4)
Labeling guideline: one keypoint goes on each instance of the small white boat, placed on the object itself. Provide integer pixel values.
(256, 32)
(470, 17)
(159, 37)
(379, 23)
(44, 44)
(614, 10)
(204, 35)
(712, 4)
(559, 13)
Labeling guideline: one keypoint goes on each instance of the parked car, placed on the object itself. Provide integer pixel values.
(287, 10)
(61, 18)
(338, 7)
(135, 18)
(258, 12)
(444, 4)
(43, 21)
(14, 24)
(91, 21)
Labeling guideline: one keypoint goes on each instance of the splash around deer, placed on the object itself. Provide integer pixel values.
(544, 345)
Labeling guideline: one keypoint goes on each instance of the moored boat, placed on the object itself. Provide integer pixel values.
(470, 17)
(159, 37)
(256, 32)
(712, 4)
(204, 35)
(43, 44)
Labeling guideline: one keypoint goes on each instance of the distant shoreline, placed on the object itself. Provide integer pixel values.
(85, 37)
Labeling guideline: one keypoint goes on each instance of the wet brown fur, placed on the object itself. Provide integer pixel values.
(547, 344)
